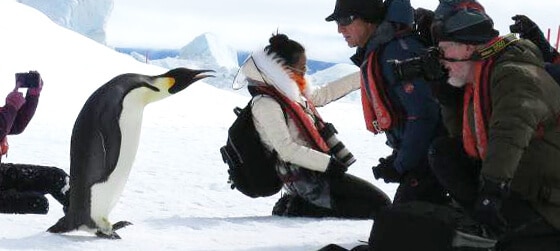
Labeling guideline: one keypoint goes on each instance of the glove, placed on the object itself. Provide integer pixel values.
(35, 91)
(386, 170)
(15, 99)
(527, 29)
(523, 25)
(336, 168)
(432, 67)
(488, 205)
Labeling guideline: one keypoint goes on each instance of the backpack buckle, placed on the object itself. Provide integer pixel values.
(376, 127)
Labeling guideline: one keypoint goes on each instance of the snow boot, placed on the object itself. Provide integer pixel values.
(282, 204)
(38, 179)
(296, 206)
(299, 207)
(14, 202)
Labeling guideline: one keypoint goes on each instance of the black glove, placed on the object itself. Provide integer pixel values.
(488, 205)
(432, 67)
(386, 170)
(527, 29)
(336, 168)
(523, 25)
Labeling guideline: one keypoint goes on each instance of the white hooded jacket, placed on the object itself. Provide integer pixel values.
(278, 131)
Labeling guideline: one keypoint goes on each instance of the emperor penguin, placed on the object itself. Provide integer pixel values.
(104, 143)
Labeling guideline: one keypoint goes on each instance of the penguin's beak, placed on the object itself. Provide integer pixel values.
(184, 77)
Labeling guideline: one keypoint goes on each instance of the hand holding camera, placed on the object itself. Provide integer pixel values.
(31, 80)
(15, 99)
(336, 169)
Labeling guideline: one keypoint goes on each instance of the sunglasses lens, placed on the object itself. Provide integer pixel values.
(343, 21)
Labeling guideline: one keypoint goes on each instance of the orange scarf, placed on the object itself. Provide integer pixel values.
(300, 81)
(477, 93)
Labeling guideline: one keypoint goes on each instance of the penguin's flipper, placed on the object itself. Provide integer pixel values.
(121, 224)
(112, 236)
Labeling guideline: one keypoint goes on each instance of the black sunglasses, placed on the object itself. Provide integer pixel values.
(345, 21)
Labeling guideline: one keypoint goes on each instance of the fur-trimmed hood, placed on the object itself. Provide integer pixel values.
(263, 69)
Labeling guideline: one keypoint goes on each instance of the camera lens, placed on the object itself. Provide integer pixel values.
(337, 148)
(426, 66)
(407, 69)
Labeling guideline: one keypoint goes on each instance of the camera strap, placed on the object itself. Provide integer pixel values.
(495, 47)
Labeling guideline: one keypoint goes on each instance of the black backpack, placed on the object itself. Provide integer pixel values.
(252, 167)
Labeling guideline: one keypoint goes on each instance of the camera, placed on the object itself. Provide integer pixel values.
(426, 66)
(28, 79)
(337, 148)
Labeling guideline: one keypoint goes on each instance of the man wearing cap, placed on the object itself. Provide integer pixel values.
(405, 111)
(503, 165)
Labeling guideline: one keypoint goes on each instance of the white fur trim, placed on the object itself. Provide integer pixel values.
(275, 74)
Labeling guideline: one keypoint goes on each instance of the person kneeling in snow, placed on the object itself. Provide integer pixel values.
(502, 164)
(23, 187)
(285, 117)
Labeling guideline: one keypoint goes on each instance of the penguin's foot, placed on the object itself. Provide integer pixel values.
(121, 224)
(112, 236)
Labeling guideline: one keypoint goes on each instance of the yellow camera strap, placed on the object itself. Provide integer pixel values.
(496, 46)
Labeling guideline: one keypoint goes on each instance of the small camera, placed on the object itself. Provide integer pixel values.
(28, 79)
(337, 148)
(426, 66)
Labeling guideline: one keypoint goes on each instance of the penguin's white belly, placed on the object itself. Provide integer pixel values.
(105, 195)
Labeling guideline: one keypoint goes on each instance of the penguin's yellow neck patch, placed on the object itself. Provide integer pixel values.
(164, 83)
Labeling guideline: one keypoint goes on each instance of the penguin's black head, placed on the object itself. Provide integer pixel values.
(183, 78)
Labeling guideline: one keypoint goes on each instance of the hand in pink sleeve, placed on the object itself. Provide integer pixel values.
(15, 99)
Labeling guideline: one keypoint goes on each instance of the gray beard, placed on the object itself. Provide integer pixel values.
(457, 82)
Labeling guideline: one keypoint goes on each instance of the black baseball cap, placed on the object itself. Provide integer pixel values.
(369, 10)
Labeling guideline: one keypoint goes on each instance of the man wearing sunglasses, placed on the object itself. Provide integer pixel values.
(503, 165)
(404, 110)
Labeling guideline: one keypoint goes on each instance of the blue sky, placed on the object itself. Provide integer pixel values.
(247, 24)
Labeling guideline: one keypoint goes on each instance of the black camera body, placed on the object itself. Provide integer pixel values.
(28, 79)
(426, 66)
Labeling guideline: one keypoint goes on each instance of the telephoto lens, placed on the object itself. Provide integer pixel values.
(426, 66)
(407, 69)
(337, 148)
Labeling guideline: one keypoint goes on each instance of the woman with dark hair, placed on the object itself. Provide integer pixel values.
(284, 114)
